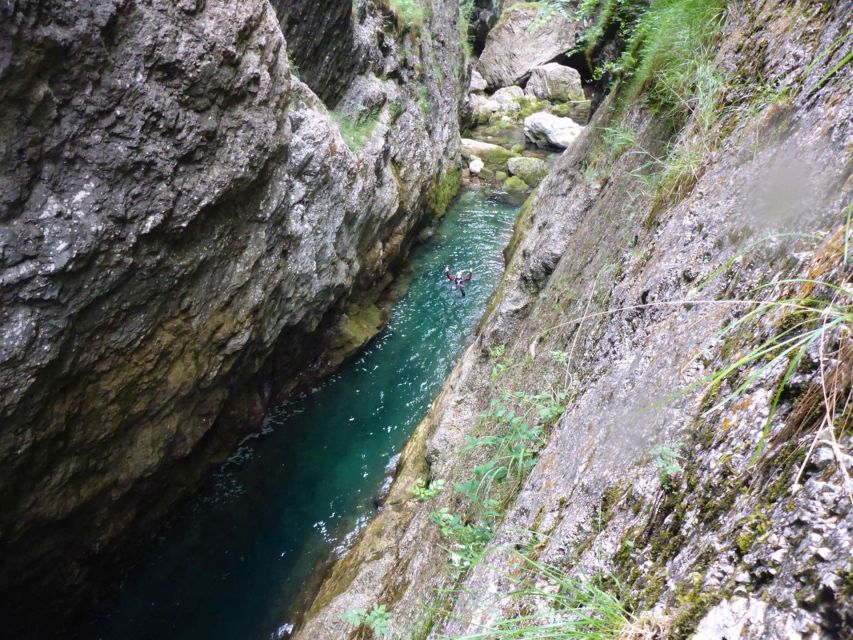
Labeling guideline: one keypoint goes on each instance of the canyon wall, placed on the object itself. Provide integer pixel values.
(697, 479)
(184, 226)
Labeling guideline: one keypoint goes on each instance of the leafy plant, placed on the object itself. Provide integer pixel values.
(514, 444)
(667, 460)
(396, 109)
(560, 357)
(378, 620)
(467, 539)
(423, 492)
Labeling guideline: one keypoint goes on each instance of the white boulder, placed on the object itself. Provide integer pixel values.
(476, 166)
(478, 83)
(547, 130)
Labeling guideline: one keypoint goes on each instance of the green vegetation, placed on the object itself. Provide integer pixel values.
(467, 539)
(565, 608)
(443, 190)
(666, 67)
(465, 9)
(668, 45)
(423, 100)
(377, 620)
(355, 131)
(423, 493)
(410, 13)
(395, 109)
(666, 459)
(820, 315)
(516, 422)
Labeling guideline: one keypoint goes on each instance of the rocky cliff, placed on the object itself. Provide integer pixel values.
(652, 428)
(184, 226)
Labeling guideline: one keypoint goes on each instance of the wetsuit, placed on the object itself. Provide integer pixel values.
(458, 281)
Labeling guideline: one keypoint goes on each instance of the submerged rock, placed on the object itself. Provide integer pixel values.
(531, 170)
(547, 130)
(526, 36)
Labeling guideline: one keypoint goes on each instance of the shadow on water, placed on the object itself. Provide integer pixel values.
(231, 565)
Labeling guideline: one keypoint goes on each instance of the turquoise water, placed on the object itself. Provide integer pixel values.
(232, 565)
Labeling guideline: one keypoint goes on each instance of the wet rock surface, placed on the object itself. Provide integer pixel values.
(181, 224)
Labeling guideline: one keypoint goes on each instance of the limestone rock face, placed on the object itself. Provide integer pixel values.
(484, 15)
(181, 221)
(724, 546)
(547, 130)
(556, 82)
(526, 36)
(323, 43)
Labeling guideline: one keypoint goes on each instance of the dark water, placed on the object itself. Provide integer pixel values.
(231, 566)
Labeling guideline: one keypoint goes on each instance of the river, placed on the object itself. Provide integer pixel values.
(234, 562)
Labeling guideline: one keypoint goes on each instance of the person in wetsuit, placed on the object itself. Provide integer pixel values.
(458, 280)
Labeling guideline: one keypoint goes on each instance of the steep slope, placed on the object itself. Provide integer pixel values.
(652, 278)
(183, 226)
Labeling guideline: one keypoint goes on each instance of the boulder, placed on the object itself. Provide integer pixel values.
(579, 111)
(504, 101)
(506, 98)
(476, 166)
(527, 35)
(547, 130)
(490, 154)
(477, 84)
(531, 170)
(555, 82)
(515, 184)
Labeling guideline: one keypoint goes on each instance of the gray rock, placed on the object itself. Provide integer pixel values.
(732, 619)
(478, 83)
(507, 97)
(547, 130)
(493, 155)
(504, 101)
(531, 170)
(555, 82)
(526, 36)
(179, 218)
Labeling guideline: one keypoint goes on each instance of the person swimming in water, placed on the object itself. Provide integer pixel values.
(458, 280)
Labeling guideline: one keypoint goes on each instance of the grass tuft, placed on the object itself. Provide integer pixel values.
(553, 604)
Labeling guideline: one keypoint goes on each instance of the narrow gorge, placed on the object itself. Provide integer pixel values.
(249, 392)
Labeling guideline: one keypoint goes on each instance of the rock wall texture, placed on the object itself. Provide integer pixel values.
(182, 223)
(716, 545)
(321, 42)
